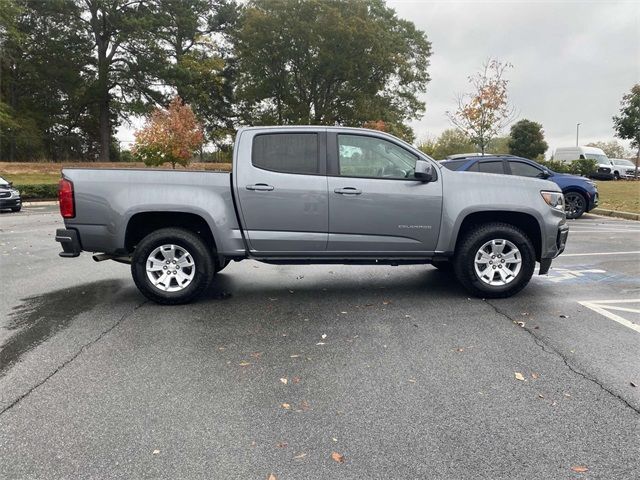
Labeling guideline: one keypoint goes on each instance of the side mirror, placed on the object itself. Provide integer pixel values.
(424, 171)
(544, 174)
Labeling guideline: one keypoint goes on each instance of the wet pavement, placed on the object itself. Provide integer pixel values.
(395, 368)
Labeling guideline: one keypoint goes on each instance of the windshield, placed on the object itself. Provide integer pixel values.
(597, 157)
(626, 163)
(3, 182)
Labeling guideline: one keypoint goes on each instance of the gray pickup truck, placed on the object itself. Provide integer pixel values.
(313, 195)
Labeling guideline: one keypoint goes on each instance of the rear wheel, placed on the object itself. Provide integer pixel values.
(172, 266)
(495, 260)
(16, 209)
(574, 205)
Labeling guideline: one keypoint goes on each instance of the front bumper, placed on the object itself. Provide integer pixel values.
(70, 242)
(10, 202)
(561, 243)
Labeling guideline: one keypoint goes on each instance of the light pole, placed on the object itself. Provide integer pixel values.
(577, 132)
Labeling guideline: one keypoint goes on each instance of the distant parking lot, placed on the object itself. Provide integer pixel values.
(319, 371)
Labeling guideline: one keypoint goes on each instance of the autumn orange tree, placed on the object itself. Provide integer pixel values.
(485, 110)
(172, 135)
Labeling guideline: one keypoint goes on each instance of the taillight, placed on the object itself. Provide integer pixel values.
(65, 197)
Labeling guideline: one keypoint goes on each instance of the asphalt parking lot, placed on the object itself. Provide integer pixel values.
(393, 370)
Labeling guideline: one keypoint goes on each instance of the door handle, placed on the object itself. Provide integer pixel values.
(348, 191)
(261, 187)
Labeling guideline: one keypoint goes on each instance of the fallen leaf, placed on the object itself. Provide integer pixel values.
(284, 380)
(334, 439)
(564, 316)
(337, 457)
(320, 343)
(519, 376)
(412, 380)
(461, 349)
(290, 291)
(244, 364)
(540, 395)
(521, 324)
(524, 314)
(256, 354)
(632, 384)
(272, 477)
(567, 395)
(579, 469)
(535, 375)
(282, 445)
(304, 405)
(324, 335)
(295, 380)
(222, 349)
(156, 452)
(286, 406)
(300, 455)
(294, 356)
(386, 302)
(344, 313)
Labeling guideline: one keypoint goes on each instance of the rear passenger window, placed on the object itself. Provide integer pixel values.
(286, 152)
(491, 167)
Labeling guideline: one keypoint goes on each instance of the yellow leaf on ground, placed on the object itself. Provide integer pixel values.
(337, 457)
(579, 469)
(286, 406)
(272, 477)
(519, 376)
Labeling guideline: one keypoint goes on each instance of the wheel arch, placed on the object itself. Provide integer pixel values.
(526, 222)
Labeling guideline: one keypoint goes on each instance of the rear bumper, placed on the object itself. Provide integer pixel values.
(70, 242)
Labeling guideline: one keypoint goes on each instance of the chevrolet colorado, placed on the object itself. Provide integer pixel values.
(312, 194)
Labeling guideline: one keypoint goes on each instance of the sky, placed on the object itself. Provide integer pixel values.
(572, 60)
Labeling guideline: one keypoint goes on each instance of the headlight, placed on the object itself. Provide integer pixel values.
(15, 192)
(554, 199)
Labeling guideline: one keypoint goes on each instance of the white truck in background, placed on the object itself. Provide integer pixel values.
(570, 154)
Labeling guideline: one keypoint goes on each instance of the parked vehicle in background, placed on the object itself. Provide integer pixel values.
(305, 195)
(569, 154)
(580, 193)
(9, 196)
(462, 155)
(623, 168)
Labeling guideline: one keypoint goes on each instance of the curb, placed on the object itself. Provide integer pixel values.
(617, 214)
(40, 204)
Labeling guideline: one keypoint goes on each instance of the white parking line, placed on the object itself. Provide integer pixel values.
(603, 306)
(597, 253)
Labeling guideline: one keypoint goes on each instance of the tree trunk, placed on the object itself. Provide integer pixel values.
(104, 103)
(635, 174)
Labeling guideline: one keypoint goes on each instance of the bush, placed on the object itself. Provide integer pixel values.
(38, 191)
(585, 167)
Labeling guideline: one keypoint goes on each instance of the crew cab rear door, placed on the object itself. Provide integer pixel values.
(281, 188)
(376, 206)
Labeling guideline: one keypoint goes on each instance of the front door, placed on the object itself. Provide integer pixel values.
(282, 191)
(375, 204)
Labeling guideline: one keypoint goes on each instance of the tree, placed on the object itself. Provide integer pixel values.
(126, 59)
(612, 148)
(627, 124)
(171, 135)
(450, 142)
(485, 111)
(194, 37)
(328, 62)
(527, 139)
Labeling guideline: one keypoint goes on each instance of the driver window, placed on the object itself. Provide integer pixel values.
(361, 156)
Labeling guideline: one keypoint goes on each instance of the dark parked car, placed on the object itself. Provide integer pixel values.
(9, 196)
(580, 193)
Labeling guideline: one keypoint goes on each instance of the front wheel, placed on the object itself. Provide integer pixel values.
(495, 260)
(172, 266)
(16, 209)
(574, 205)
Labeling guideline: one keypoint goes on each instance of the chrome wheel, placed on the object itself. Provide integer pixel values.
(170, 268)
(498, 262)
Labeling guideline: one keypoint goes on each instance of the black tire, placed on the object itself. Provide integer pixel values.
(616, 176)
(575, 205)
(443, 265)
(16, 209)
(202, 260)
(464, 260)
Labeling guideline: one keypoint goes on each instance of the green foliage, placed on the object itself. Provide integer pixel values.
(38, 191)
(450, 142)
(627, 124)
(498, 146)
(584, 167)
(328, 62)
(527, 139)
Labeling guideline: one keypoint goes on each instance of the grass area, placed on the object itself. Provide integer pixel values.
(22, 173)
(622, 195)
